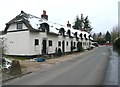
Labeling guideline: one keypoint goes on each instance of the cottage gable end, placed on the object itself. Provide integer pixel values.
(19, 23)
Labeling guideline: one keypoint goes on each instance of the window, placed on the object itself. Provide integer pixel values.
(83, 43)
(59, 43)
(19, 25)
(74, 43)
(50, 42)
(36, 42)
(44, 27)
(67, 43)
(89, 43)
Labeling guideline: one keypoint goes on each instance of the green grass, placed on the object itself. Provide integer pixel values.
(15, 57)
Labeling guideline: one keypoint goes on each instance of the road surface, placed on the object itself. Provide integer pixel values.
(88, 69)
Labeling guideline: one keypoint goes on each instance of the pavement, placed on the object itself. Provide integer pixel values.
(112, 70)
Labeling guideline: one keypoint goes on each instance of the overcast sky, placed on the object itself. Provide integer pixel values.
(103, 14)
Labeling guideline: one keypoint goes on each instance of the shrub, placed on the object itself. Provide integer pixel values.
(118, 51)
(59, 52)
(116, 45)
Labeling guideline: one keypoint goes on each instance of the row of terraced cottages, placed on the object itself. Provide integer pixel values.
(28, 35)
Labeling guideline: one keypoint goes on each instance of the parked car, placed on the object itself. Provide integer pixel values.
(92, 46)
(95, 44)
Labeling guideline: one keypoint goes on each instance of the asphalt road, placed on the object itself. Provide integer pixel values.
(88, 69)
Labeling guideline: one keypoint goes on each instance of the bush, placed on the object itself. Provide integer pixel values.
(59, 52)
(118, 51)
(116, 45)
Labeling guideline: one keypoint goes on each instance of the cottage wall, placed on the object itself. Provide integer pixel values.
(34, 49)
(52, 49)
(17, 43)
(14, 27)
(37, 39)
(68, 47)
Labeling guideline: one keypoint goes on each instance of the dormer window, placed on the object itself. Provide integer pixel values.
(81, 36)
(75, 34)
(19, 25)
(62, 31)
(44, 27)
(69, 33)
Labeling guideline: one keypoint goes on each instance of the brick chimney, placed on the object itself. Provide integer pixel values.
(44, 16)
(68, 25)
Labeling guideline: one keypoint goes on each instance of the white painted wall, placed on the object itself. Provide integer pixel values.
(36, 50)
(23, 42)
(67, 48)
(51, 49)
(85, 43)
(17, 43)
(14, 27)
(60, 38)
(74, 40)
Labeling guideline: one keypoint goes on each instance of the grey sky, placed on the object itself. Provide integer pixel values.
(103, 14)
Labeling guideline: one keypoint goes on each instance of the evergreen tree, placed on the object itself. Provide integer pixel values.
(108, 37)
(87, 26)
(100, 38)
(78, 23)
(94, 36)
(82, 24)
(100, 35)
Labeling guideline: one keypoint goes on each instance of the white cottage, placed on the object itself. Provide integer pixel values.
(28, 35)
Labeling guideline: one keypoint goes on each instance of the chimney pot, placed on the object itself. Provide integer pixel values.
(44, 12)
(68, 25)
(68, 22)
(44, 16)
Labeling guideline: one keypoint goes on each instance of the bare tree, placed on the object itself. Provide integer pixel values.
(3, 44)
(114, 33)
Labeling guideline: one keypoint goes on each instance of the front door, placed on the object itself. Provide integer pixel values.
(63, 46)
(71, 46)
(44, 47)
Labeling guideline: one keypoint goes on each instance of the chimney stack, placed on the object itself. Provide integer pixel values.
(68, 25)
(44, 16)
(44, 12)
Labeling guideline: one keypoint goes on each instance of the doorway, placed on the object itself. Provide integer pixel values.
(63, 46)
(44, 43)
(71, 46)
